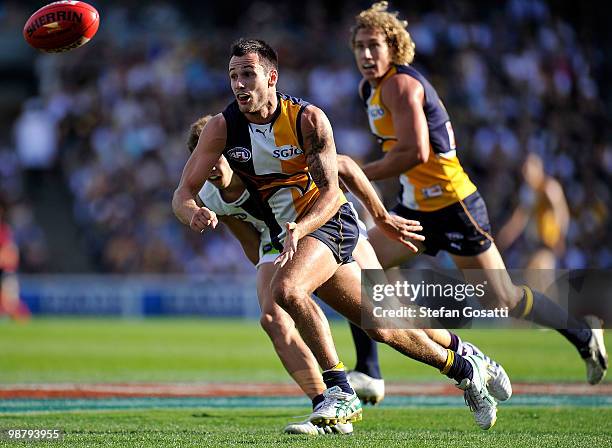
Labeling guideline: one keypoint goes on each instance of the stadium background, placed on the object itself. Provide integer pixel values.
(92, 143)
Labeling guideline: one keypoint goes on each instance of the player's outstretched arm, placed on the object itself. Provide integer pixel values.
(394, 227)
(320, 152)
(197, 169)
(403, 96)
(246, 234)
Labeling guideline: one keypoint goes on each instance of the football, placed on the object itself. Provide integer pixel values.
(61, 26)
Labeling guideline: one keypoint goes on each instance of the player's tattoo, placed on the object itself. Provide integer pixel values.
(317, 158)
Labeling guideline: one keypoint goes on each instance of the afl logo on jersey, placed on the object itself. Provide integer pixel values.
(240, 216)
(239, 154)
(375, 112)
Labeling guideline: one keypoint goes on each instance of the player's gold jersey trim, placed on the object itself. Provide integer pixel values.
(270, 159)
(439, 182)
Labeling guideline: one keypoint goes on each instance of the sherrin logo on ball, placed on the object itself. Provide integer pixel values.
(61, 26)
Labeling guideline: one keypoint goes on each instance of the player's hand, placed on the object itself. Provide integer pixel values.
(203, 218)
(402, 230)
(290, 246)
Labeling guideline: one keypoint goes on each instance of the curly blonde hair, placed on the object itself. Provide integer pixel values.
(394, 29)
(195, 130)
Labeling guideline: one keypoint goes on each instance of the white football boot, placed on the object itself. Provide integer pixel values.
(368, 389)
(476, 395)
(306, 427)
(336, 407)
(498, 384)
(597, 358)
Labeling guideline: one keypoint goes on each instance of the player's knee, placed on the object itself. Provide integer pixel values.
(275, 322)
(266, 321)
(288, 295)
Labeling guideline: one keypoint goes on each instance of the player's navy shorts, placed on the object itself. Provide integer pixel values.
(340, 234)
(461, 228)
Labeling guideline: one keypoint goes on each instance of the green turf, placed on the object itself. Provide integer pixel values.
(206, 427)
(102, 350)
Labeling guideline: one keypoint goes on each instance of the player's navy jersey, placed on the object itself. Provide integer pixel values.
(270, 160)
(440, 181)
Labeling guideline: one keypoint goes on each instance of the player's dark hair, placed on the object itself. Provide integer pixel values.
(244, 46)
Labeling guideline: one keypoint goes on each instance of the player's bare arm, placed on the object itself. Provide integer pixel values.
(321, 158)
(404, 97)
(393, 226)
(196, 171)
(246, 234)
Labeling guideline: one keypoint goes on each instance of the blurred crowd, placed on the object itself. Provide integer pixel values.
(113, 116)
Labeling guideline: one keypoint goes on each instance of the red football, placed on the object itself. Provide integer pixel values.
(61, 26)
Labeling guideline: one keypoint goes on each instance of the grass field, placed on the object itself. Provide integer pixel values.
(517, 427)
(97, 350)
(175, 350)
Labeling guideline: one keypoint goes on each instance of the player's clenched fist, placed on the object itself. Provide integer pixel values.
(203, 218)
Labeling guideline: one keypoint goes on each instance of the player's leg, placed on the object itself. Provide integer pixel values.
(318, 255)
(343, 293)
(296, 357)
(366, 377)
(526, 303)
(498, 383)
(390, 253)
(477, 256)
(434, 224)
(292, 287)
(522, 302)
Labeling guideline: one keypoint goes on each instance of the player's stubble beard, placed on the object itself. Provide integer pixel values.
(253, 106)
(259, 102)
